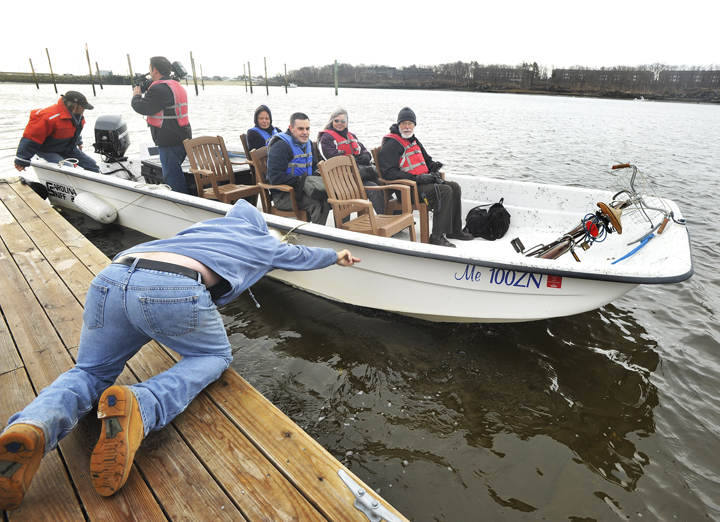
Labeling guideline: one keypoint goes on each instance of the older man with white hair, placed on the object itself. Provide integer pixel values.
(402, 156)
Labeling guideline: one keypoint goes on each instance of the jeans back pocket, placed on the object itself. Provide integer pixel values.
(93, 314)
(171, 316)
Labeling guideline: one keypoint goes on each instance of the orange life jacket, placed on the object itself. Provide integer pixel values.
(409, 154)
(346, 146)
(180, 105)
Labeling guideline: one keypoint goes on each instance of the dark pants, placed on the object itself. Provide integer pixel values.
(171, 159)
(447, 216)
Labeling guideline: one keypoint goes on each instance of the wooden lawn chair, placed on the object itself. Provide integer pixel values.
(259, 159)
(417, 204)
(213, 171)
(347, 195)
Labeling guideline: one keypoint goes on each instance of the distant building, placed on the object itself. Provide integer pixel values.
(606, 79)
(494, 75)
(105, 73)
(690, 79)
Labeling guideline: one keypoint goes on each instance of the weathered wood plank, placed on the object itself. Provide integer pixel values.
(260, 491)
(9, 357)
(72, 271)
(51, 496)
(57, 301)
(305, 462)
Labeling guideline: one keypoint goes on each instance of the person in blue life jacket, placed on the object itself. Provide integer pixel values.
(166, 106)
(54, 133)
(290, 161)
(402, 156)
(336, 140)
(259, 136)
(167, 290)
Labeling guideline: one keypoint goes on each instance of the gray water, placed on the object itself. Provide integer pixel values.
(607, 415)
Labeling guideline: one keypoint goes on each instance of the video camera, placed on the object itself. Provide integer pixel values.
(144, 80)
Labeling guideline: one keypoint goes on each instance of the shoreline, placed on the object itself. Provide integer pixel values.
(706, 97)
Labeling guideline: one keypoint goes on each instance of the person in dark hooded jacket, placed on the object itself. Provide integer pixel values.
(259, 136)
(402, 156)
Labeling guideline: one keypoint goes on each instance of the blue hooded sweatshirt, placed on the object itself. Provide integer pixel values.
(239, 248)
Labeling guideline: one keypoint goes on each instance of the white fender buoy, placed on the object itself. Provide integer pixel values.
(95, 207)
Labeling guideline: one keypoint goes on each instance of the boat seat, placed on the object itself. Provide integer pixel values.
(347, 195)
(391, 205)
(213, 171)
(259, 159)
(248, 159)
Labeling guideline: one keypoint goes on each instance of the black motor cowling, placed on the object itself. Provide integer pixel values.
(111, 137)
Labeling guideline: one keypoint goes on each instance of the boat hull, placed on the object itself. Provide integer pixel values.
(398, 276)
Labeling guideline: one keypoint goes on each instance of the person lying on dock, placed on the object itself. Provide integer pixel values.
(167, 290)
(54, 133)
(402, 156)
(336, 140)
(291, 162)
(259, 135)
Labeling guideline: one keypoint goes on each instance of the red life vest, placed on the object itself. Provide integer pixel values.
(180, 105)
(346, 146)
(406, 160)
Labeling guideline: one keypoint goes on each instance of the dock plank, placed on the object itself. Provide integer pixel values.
(231, 455)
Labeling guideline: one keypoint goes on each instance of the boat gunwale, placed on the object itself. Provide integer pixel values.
(108, 179)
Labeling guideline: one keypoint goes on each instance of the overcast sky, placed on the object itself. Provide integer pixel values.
(224, 36)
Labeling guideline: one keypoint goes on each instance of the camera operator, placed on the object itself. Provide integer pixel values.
(165, 105)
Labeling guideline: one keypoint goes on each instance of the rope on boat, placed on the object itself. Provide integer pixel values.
(289, 236)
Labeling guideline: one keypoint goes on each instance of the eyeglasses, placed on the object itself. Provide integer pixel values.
(340, 121)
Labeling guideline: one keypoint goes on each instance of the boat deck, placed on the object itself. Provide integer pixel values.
(231, 455)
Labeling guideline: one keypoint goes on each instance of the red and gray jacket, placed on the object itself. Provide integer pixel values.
(346, 146)
(180, 105)
(411, 160)
(52, 129)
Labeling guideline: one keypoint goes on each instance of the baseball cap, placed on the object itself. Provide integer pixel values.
(78, 98)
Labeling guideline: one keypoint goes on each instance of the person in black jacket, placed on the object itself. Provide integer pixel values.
(165, 105)
(402, 156)
(259, 136)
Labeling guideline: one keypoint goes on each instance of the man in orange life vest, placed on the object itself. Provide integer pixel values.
(53, 133)
(166, 108)
(402, 156)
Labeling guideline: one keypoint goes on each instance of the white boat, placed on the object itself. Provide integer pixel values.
(479, 281)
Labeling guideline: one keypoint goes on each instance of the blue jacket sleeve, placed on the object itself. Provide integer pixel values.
(298, 257)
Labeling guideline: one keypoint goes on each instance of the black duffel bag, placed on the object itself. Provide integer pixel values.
(488, 221)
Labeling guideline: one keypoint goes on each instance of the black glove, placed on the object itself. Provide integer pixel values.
(424, 179)
(363, 159)
(437, 179)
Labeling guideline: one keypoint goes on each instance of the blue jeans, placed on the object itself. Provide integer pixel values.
(84, 160)
(125, 308)
(171, 159)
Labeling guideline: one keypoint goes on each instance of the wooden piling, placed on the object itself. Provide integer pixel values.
(87, 54)
(97, 69)
(52, 75)
(245, 76)
(336, 79)
(267, 89)
(33, 73)
(132, 78)
(202, 78)
(285, 78)
(250, 75)
(192, 64)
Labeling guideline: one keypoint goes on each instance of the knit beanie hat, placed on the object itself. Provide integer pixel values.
(406, 114)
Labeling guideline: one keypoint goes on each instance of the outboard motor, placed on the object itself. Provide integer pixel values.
(111, 138)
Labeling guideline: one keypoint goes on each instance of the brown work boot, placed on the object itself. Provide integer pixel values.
(120, 438)
(21, 450)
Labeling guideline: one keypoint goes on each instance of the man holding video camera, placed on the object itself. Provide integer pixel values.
(165, 105)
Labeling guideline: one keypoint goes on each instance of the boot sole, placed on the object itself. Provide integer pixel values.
(16, 455)
(111, 460)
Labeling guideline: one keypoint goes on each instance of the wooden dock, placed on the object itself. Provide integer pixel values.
(231, 455)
